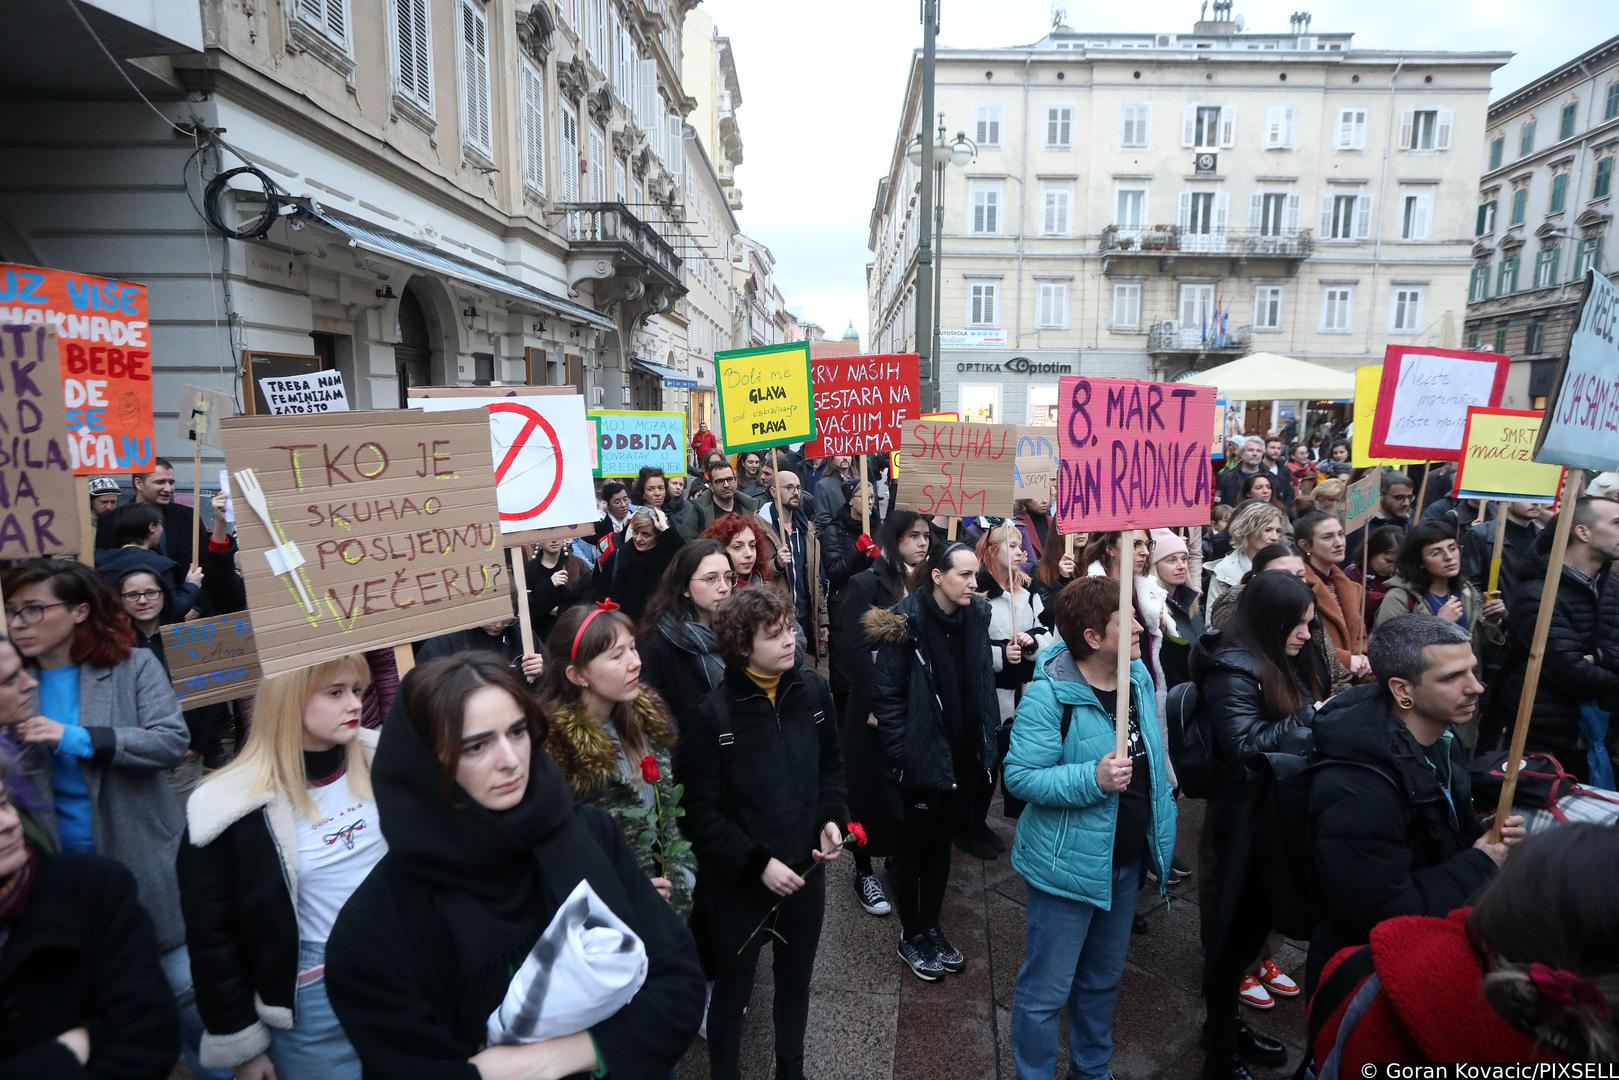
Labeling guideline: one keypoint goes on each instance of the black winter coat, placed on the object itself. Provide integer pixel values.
(1516, 546)
(841, 561)
(904, 697)
(426, 947)
(680, 675)
(544, 598)
(630, 577)
(1585, 622)
(84, 955)
(878, 587)
(761, 781)
(1385, 840)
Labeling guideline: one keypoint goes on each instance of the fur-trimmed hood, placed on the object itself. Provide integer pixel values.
(218, 803)
(885, 626)
(585, 751)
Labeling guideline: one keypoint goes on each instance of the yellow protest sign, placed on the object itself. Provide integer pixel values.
(765, 396)
(1497, 461)
(1367, 380)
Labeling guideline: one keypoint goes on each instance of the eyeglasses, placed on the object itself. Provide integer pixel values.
(29, 614)
(142, 595)
(713, 580)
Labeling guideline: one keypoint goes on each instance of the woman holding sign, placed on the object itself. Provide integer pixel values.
(275, 844)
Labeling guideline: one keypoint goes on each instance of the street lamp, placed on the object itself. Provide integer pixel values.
(957, 152)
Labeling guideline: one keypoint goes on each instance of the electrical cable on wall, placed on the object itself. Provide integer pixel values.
(259, 226)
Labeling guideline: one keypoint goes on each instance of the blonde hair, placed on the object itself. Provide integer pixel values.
(991, 554)
(1250, 520)
(1332, 489)
(272, 759)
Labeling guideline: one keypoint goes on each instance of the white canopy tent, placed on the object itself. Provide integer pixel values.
(1273, 377)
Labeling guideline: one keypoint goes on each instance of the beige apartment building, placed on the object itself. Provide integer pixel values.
(1152, 204)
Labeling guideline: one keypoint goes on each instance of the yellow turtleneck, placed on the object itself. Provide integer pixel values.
(768, 683)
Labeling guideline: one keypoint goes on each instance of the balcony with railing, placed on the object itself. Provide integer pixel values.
(611, 229)
(1126, 248)
(1168, 337)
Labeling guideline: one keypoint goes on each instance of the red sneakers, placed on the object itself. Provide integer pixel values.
(1275, 980)
(1250, 992)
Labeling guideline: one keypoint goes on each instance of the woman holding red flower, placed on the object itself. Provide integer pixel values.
(763, 775)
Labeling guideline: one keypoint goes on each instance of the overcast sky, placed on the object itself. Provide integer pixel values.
(821, 87)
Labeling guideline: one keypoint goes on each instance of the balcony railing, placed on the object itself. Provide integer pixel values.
(1157, 240)
(1172, 337)
(612, 225)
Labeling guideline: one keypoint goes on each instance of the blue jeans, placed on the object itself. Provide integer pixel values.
(177, 970)
(1073, 956)
(315, 1046)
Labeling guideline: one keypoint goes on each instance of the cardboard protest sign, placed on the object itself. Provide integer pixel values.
(1222, 408)
(297, 395)
(106, 358)
(1034, 471)
(1423, 398)
(539, 441)
(1582, 422)
(765, 397)
(217, 405)
(942, 417)
(1498, 462)
(364, 530)
(1132, 454)
(957, 470)
(212, 660)
(1361, 499)
(39, 503)
(626, 441)
(860, 402)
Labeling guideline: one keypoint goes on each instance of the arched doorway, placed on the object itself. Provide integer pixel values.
(413, 348)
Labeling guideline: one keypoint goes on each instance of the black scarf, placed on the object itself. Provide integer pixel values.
(697, 639)
(945, 639)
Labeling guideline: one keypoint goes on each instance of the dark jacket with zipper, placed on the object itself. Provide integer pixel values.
(672, 665)
(761, 780)
(874, 589)
(1386, 840)
(841, 562)
(905, 697)
(84, 955)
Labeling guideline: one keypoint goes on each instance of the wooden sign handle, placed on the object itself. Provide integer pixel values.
(525, 621)
(87, 522)
(404, 659)
(1422, 493)
(865, 503)
(1537, 648)
(196, 505)
(1494, 581)
(1124, 566)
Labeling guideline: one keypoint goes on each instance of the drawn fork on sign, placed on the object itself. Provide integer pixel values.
(287, 553)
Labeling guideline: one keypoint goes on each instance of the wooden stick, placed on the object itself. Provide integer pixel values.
(865, 502)
(1494, 581)
(1365, 582)
(404, 659)
(1124, 564)
(1537, 648)
(1011, 576)
(1068, 545)
(950, 532)
(1422, 492)
(525, 621)
(196, 505)
(87, 522)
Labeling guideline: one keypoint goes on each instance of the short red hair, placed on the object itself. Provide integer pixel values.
(727, 528)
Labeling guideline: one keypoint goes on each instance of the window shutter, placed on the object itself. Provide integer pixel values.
(1419, 219)
(1290, 218)
(1326, 216)
(533, 88)
(1276, 126)
(1186, 210)
(1256, 212)
(1188, 125)
(1346, 129)
(1478, 226)
(1228, 126)
(1405, 129)
(1222, 210)
(569, 160)
(475, 78)
(1363, 217)
(598, 167)
(1289, 117)
(1124, 126)
(1447, 118)
(414, 56)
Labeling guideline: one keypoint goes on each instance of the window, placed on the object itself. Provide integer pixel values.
(1207, 127)
(1416, 210)
(1351, 129)
(1197, 307)
(1526, 139)
(1565, 121)
(1506, 278)
(1054, 210)
(1520, 206)
(1131, 209)
(1059, 127)
(1126, 305)
(1603, 179)
(1279, 122)
(1052, 310)
(1498, 147)
(1610, 109)
(1534, 337)
(598, 166)
(1588, 257)
(475, 133)
(1405, 314)
(1134, 122)
(1267, 307)
(1203, 216)
(328, 19)
(1475, 340)
(621, 181)
(533, 94)
(1336, 304)
(979, 403)
(1486, 219)
(1346, 216)
(1546, 260)
(1426, 129)
(1559, 193)
(1478, 282)
(1501, 338)
(568, 156)
(413, 54)
(981, 303)
(987, 125)
(986, 203)
(1273, 213)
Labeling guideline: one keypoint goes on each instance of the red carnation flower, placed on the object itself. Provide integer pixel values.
(649, 769)
(858, 831)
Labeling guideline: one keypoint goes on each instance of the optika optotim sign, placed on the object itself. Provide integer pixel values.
(1019, 365)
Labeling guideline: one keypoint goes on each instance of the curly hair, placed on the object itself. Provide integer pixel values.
(1250, 520)
(742, 615)
(727, 528)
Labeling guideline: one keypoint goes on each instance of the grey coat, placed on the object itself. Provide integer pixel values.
(700, 512)
(137, 734)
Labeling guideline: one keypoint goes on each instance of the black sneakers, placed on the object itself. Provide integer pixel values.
(870, 893)
(948, 955)
(917, 953)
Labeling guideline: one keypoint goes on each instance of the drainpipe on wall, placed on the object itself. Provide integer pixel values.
(1022, 208)
(1382, 203)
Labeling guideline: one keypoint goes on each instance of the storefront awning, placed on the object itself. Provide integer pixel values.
(672, 379)
(426, 257)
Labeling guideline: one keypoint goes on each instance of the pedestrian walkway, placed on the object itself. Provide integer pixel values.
(870, 1019)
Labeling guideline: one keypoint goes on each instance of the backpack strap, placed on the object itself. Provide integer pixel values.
(1335, 991)
(1066, 723)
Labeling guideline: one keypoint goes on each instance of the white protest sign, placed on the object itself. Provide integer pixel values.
(316, 392)
(540, 442)
(1424, 396)
(1582, 422)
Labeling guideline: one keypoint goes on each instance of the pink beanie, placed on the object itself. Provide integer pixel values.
(1165, 544)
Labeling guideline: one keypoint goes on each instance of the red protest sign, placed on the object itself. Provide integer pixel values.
(861, 401)
(1423, 399)
(1132, 454)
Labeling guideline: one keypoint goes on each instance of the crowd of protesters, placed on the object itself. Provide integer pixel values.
(566, 857)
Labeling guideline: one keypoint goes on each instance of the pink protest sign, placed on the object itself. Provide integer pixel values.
(1132, 454)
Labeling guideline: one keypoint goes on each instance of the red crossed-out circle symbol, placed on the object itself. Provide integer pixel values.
(531, 420)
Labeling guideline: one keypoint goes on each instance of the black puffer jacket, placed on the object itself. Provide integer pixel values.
(1585, 622)
(1384, 839)
(905, 698)
(761, 780)
(1229, 689)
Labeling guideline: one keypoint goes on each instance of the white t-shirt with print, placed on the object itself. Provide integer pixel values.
(335, 853)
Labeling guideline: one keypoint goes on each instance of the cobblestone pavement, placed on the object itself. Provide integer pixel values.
(870, 1019)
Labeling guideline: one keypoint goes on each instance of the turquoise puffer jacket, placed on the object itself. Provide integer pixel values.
(1064, 842)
